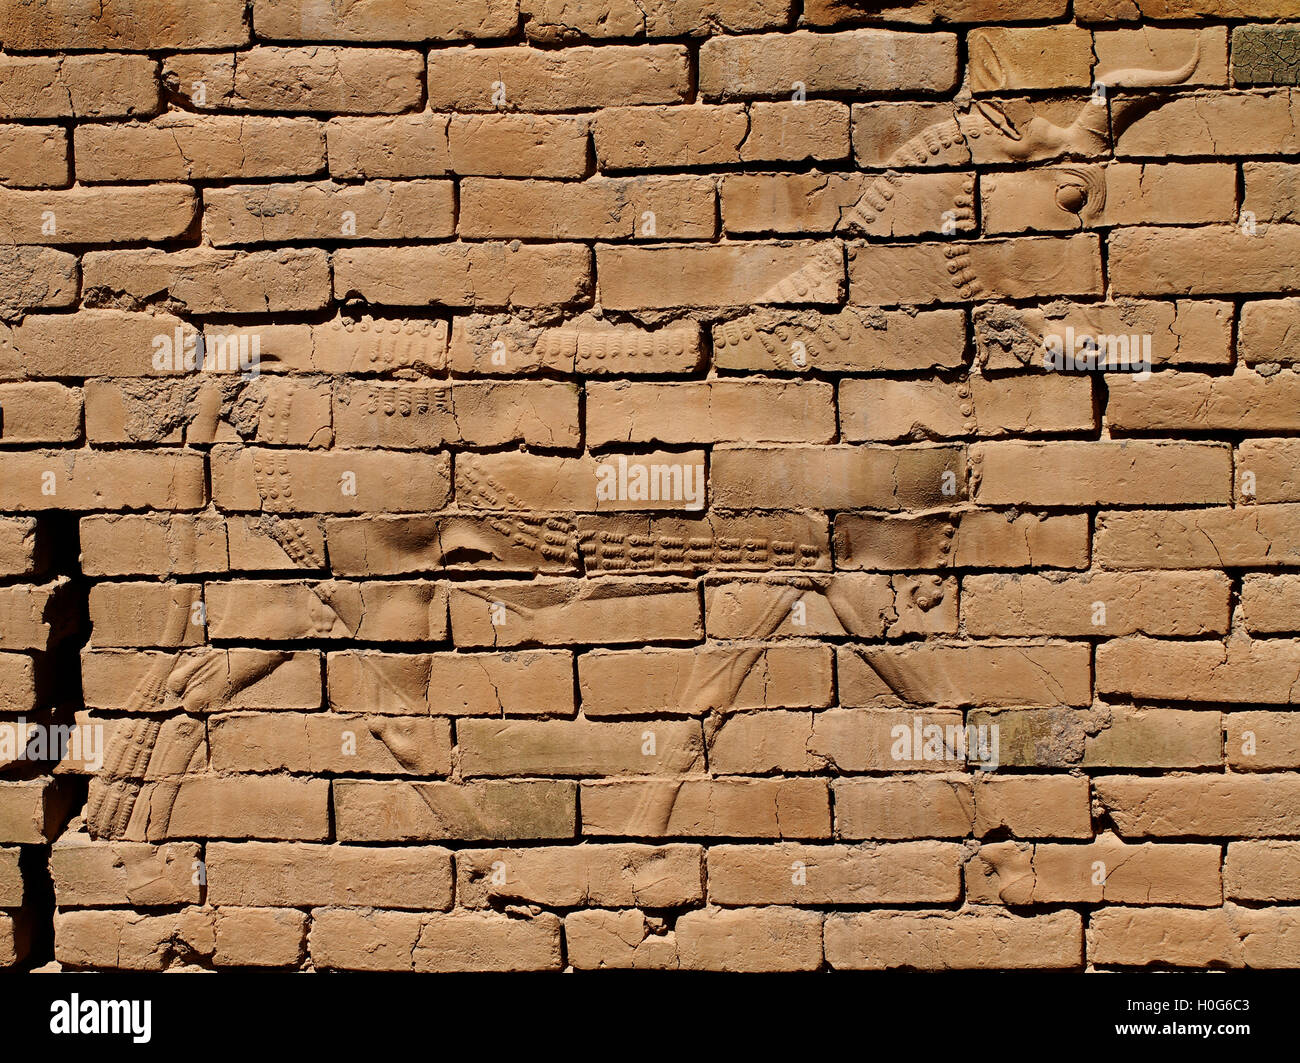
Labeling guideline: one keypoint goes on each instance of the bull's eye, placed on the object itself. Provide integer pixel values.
(1072, 197)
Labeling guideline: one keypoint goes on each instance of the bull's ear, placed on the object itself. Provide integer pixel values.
(998, 115)
(987, 74)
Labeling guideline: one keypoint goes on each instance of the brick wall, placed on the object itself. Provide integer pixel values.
(516, 484)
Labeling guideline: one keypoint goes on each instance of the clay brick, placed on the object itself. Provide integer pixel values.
(1261, 741)
(815, 202)
(407, 20)
(1245, 806)
(596, 939)
(466, 79)
(1185, 332)
(495, 145)
(597, 209)
(1032, 806)
(839, 477)
(1272, 464)
(721, 411)
(247, 806)
(140, 614)
(1243, 671)
(17, 682)
(23, 550)
(34, 278)
(523, 683)
(921, 274)
(657, 876)
(862, 604)
(739, 808)
(1156, 48)
(335, 80)
(1100, 872)
(836, 12)
(1041, 57)
(370, 811)
(683, 681)
(843, 740)
(129, 25)
(1247, 537)
(637, 138)
(90, 874)
(32, 810)
(11, 878)
(458, 941)
(1181, 402)
(407, 417)
(1268, 603)
(181, 544)
(1089, 473)
(750, 940)
(876, 410)
(303, 875)
(495, 344)
(33, 156)
(856, 61)
(330, 745)
(658, 480)
(178, 146)
(941, 940)
(1052, 199)
(489, 274)
(957, 674)
(853, 341)
(39, 413)
(732, 274)
(577, 748)
(340, 481)
(1272, 191)
(1204, 261)
(259, 937)
(285, 213)
(80, 86)
(207, 281)
(1262, 871)
(555, 21)
(1264, 55)
(86, 480)
(562, 612)
(1149, 603)
(283, 679)
(1218, 124)
(1138, 937)
(276, 610)
(961, 539)
(135, 941)
(911, 872)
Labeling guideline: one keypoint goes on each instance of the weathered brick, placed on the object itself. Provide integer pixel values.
(288, 213)
(79, 86)
(657, 876)
(856, 61)
(370, 810)
(179, 146)
(305, 875)
(597, 209)
(731, 274)
(740, 808)
(1089, 473)
(523, 683)
(487, 274)
(129, 25)
(530, 79)
(942, 940)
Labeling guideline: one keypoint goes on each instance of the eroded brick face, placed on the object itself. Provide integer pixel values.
(714, 485)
